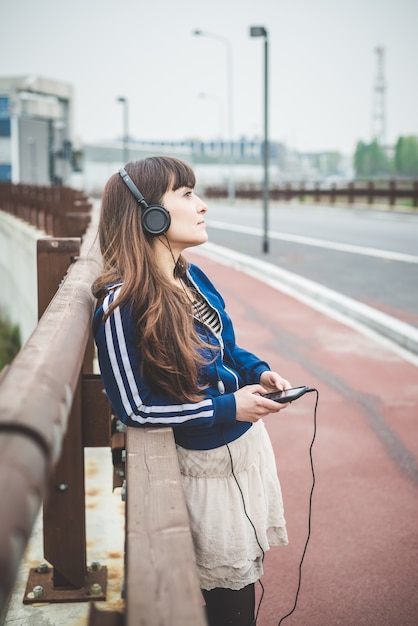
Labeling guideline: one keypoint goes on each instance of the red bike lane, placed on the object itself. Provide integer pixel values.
(361, 564)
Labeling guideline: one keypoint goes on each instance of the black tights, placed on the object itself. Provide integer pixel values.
(227, 607)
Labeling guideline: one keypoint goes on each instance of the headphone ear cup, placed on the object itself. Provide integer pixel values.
(156, 220)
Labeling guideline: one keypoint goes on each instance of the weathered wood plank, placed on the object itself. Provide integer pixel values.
(162, 585)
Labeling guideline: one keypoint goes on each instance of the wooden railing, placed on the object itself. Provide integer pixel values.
(58, 211)
(364, 192)
(52, 406)
(161, 577)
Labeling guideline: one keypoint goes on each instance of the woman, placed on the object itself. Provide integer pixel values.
(168, 356)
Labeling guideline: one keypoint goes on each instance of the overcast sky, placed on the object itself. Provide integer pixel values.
(321, 55)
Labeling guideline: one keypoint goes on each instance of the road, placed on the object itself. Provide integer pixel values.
(368, 255)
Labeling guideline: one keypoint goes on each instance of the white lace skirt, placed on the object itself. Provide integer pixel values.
(227, 550)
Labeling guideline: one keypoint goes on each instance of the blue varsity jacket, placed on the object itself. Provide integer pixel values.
(202, 425)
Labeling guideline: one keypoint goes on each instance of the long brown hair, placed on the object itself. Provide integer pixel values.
(167, 339)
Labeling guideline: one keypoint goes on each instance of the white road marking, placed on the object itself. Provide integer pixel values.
(319, 243)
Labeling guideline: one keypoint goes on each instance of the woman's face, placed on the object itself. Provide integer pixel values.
(187, 212)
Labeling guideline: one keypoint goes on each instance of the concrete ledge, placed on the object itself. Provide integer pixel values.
(18, 269)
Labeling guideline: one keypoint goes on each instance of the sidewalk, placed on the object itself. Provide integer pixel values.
(361, 566)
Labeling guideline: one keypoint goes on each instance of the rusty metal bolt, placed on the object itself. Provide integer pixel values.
(42, 567)
(96, 566)
(38, 591)
(96, 589)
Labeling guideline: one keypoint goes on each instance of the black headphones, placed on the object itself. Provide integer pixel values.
(155, 218)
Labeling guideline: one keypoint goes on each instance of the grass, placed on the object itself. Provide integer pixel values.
(10, 342)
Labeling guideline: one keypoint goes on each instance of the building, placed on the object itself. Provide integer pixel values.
(211, 160)
(35, 130)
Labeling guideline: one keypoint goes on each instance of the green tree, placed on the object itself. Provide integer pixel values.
(361, 159)
(398, 158)
(406, 156)
(370, 160)
(379, 162)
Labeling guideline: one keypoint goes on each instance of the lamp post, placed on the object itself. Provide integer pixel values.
(260, 31)
(221, 107)
(231, 184)
(124, 101)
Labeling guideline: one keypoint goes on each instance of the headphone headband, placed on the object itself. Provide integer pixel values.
(155, 219)
(132, 187)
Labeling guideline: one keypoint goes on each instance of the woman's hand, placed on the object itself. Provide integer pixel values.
(251, 406)
(272, 381)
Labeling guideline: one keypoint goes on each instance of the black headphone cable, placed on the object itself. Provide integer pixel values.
(249, 519)
(309, 513)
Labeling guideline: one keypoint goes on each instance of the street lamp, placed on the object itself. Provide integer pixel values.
(125, 129)
(220, 150)
(203, 33)
(260, 31)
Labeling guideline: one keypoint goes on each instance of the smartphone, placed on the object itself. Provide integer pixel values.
(288, 395)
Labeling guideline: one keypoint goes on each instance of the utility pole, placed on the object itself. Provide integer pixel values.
(124, 101)
(230, 93)
(379, 100)
(260, 31)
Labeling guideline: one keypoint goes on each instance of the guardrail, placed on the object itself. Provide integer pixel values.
(59, 211)
(161, 578)
(368, 192)
(52, 406)
(41, 396)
